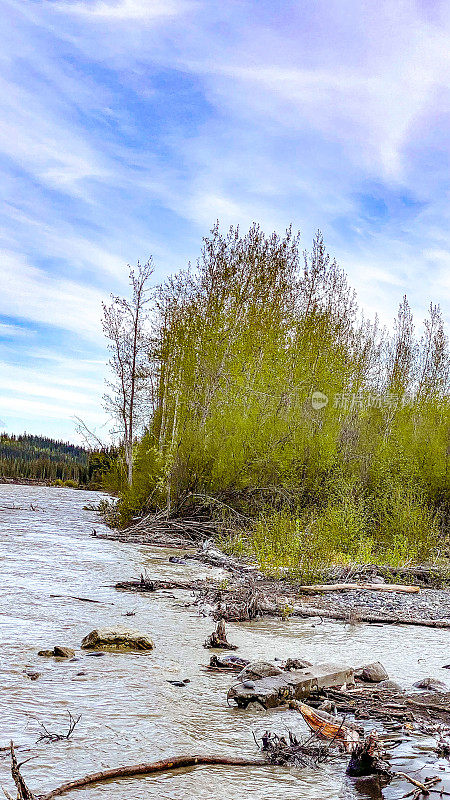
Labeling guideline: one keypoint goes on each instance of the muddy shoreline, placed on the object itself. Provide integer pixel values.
(430, 607)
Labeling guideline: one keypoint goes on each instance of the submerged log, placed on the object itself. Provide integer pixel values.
(132, 771)
(149, 769)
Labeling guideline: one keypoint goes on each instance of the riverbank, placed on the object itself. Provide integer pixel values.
(430, 606)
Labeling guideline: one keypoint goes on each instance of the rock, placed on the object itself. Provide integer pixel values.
(228, 662)
(116, 639)
(296, 663)
(33, 676)
(431, 684)
(276, 690)
(259, 669)
(390, 685)
(372, 673)
(63, 652)
(377, 579)
(58, 652)
(177, 560)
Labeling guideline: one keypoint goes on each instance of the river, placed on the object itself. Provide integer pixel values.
(130, 713)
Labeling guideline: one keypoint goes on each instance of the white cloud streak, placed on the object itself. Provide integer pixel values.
(129, 126)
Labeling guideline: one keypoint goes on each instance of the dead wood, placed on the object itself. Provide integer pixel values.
(306, 752)
(127, 772)
(23, 792)
(376, 619)
(82, 599)
(146, 585)
(219, 638)
(373, 587)
(51, 736)
(423, 788)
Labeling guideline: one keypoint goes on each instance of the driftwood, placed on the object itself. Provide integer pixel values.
(82, 599)
(133, 771)
(146, 585)
(375, 587)
(51, 736)
(423, 787)
(219, 638)
(376, 619)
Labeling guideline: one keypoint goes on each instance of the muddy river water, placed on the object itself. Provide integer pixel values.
(130, 713)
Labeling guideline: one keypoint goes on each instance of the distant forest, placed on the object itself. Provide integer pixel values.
(38, 458)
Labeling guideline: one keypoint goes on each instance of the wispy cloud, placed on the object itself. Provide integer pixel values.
(125, 9)
(129, 126)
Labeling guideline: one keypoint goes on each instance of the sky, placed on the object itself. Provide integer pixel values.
(127, 127)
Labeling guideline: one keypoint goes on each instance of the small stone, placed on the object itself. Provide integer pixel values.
(259, 669)
(390, 685)
(58, 652)
(297, 663)
(63, 652)
(33, 676)
(431, 684)
(372, 673)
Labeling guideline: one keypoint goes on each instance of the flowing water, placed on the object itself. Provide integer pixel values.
(130, 713)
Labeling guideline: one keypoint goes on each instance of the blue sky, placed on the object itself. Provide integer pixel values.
(127, 127)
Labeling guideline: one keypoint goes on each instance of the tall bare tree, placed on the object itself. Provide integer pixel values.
(124, 325)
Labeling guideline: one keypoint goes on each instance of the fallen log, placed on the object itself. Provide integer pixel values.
(133, 771)
(373, 587)
(149, 769)
(82, 599)
(376, 619)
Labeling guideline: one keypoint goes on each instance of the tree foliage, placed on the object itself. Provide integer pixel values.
(239, 346)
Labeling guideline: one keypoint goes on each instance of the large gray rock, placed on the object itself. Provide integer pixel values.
(430, 684)
(257, 670)
(277, 690)
(116, 639)
(372, 673)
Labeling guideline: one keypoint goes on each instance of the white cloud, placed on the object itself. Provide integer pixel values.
(29, 293)
(14, 331)
(125, 10)
(129, 126)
